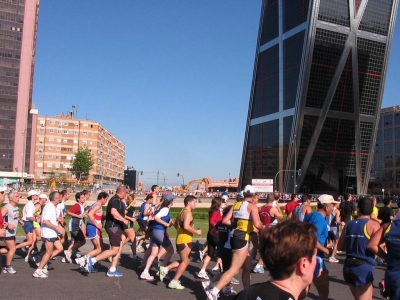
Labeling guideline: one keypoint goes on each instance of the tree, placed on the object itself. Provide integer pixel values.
(82, 163)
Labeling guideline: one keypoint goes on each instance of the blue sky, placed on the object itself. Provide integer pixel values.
(170, 79)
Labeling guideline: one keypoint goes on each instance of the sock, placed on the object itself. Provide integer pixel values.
(113, 269)
(202, 271)
(93, 259)
(215, 291)
(146, 271)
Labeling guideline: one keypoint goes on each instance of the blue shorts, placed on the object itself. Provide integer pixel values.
(159, 238)
(392, 283)
(320, 266)
(358, 275)
(92, 231)
(28, 226)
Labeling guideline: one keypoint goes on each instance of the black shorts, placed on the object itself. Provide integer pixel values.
(180, 247)
(51, 240)
(115, 236)
(143, 224)
(8, 238)
(78, 236)
(212, 244)
(226, 256)
(332, 236)
(238, 244)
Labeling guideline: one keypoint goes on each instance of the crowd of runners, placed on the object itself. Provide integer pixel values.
(242, 235)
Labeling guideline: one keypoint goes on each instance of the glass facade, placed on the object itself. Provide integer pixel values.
(318, 87)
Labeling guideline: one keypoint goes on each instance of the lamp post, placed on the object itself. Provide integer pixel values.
(183, 180)
(295, 165)
(383, 194)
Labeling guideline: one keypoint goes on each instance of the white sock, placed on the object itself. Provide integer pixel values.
(112, 269)
(202, 271)
(215, 291)
(94, 260)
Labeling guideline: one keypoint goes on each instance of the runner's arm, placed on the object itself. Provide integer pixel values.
(376, 240)
(256, 217)
(114, 212)
(227, 220)
(91, 213)
(187, 219)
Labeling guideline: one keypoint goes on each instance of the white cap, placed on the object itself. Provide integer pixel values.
(3, 189)
(249, 189)
(225, 198)
(327, 199)
(43, 196)
(33, 192)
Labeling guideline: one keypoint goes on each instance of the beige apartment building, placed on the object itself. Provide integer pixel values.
(58, 138)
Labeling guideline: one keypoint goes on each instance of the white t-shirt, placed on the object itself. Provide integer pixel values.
(61, 209)
(28, 211)
(49, 212)
(162, 212)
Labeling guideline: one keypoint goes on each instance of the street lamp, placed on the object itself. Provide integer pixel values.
(383, 194)
(183, 180)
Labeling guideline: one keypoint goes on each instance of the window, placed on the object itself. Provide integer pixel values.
(58, 148)
(51, 130)
(40, 156)
(85, 125)
(388, 134)
(49, 165)
(84, 133)
(41, 139)
(75, 141)
(58, 157)
(65, 131)
(59, 140)
(59, 123)
(65, 124)
(84, 142)
(50, 148)
(52, 122)
(65, 141)
(42, 122)
(41, 130)
(51, 139)
(40, 165)
(59, 131)
(50, 156)
(57, 166)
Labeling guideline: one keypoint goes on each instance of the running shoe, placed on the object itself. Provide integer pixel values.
(39, 274)
(203, 275)
(164, 277)
(114, 274)
(382, 288)
(37, 259)
(26, 258)
(201, 255)
(379, 261)
(162, 272)
(206, 283)
(209, 293)
(146, 276)
(9, 270)
(89, 265)
(215, 271)
(235, 281)
(45, 271)
(339, 252)
(140, 249)
(258, 269)
(68, 254)
(175, 284)
(76, 254)
(333, 259)
(228, 291)
(63, 260)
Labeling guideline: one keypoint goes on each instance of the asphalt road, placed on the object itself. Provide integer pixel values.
(67, 282)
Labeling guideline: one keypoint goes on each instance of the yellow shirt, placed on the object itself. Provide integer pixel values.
(375, 211)
(183, 236)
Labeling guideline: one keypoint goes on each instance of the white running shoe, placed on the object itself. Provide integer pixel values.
(203, 275)
(235, 281)
(201, 255)
(162, 272)
(39, 274)
(9, 270)
(215, 271)
(333, 259)
(206, 283)
(146, 276)
(26, 258)
(175, 284)
(208, 291)
(68, 254)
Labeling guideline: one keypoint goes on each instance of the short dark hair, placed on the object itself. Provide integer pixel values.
(270, 198)
(387, 200)
(305, 198)
(365, 206)
(85, 192)
(153, 187)
(281, 246)
(293, 196)
(277, 195)
(77, 196)
(102, 195)
(63, 193)
(188, 199)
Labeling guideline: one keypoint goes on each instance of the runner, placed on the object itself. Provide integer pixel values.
(288, 250)
(317, 218)
(115, 220)
(36, 224)
(50, 231)
(94, 227)
(333, 233)
(10, 213)
(160, 242)
(61, 213)
(129, 231)
(77, 213)
(214, 216)
(244, 216)
(304, 209)
(27, 222)
(184, 224)
(358, 268)
(291, 206)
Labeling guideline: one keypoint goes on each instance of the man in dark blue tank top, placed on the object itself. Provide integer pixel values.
(358, 267)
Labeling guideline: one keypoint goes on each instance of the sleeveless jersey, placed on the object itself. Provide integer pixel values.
(242, 221)
(265, 216)
(298, 213)
(76, 223)
(98, 216)
(165, 219)
(11, 218)
(392, 240)
(36, 224)
(182, 235)
(357, 239)
(331, 219)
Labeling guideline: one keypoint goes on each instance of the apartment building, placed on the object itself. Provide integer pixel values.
(59, 137)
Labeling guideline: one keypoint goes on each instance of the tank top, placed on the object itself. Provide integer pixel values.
(165, 219)
(392, 240)
(331, 219)
(38, 213)
(298, 213)
(183, 236)
(76, 223)
(242, 221)
(98, 216)
(357, 239)
(265, 216)
(11, 218)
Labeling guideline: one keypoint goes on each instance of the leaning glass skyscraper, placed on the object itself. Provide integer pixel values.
(316, 93)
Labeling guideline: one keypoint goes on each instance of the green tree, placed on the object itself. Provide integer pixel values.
(82, 163)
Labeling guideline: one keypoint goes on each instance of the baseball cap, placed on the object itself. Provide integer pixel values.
(32, 192)
(239, 196)
(3, 189)
(168, 197)
(327, 199)
(225, 198)
(249, 189)
(41, 196)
